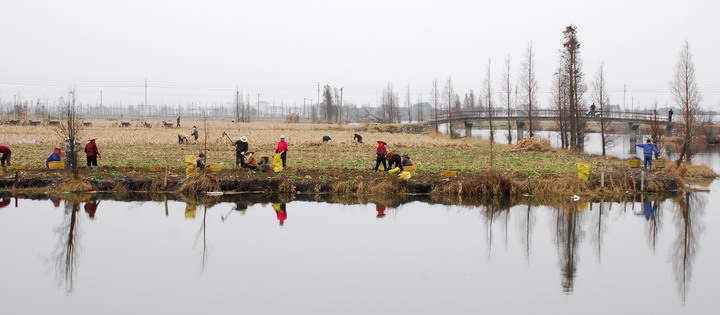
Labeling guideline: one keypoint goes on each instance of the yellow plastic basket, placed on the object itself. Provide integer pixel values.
(660, 163)
(155, 168)
(634, 163)
(215, 167)
(448, 173)
(56, 165)
(16, 167)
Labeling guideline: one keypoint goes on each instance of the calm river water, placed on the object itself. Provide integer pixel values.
(256, 255)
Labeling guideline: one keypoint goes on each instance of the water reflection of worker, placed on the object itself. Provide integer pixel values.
(190, 211)
(380, 210)
(649, 209)
(281, 212)
(91, 207)
(5, 202)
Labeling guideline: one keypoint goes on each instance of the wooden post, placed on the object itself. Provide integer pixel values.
(642, 181)
(602, 179)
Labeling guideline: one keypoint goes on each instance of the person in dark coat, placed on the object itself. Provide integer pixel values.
(178, 122)
(6, 155)
(670, 114)
(195, 134)
(241, 147)
(357, 137)
(92, 153)
(200, 161)
(394, 158)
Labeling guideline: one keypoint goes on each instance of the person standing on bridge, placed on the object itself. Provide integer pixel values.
(592, 110)
(670, 113)
(648, 149)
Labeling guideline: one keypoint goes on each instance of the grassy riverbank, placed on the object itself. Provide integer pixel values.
(340, 165)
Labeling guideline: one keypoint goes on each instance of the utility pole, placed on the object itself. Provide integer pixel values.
(237, 105)
(624, 92)
(258, 106)
(145, 94)
(100, 98)
(304, 113)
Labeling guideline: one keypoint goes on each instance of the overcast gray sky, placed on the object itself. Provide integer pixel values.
(201, 50)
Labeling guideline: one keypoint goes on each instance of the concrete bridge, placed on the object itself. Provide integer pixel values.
(633, 118)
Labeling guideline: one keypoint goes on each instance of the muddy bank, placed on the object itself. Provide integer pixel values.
(483, 183)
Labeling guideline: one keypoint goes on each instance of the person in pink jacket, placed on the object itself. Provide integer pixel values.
(282, 148)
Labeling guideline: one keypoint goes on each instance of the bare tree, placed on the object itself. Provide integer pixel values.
(435, 96)
(389, 107)
(559, 97)
(506, 90)
(529, 86)
(687, 96)
(657, 128)
(488, 96)
(572, 66)
(450, 98)
(328, 108)
(70, 127)
(601, 97)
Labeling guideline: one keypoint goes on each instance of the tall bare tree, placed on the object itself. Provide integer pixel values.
(506, 90)
(687, 96)
(602, 98)
(528, 87)
(488, 96)
(450, 98)
(559, 101)
(70, 127)
(409, 105)
(389, 106)
(572, 66)
(435, 97)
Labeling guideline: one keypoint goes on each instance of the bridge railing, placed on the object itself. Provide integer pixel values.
(550, 114)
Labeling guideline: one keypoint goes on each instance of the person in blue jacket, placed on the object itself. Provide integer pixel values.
(648, 149)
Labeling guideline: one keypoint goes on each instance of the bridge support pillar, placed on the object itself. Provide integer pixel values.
(520, 129)
(669, 130)
(468, 129)
(634, 131)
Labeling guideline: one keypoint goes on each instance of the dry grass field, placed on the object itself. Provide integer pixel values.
(139, 147)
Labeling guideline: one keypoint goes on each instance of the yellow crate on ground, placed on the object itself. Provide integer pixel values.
(634, 163)
(16, 167)
(215, 167)
(56, 165)
(660, 163)
(155, 168)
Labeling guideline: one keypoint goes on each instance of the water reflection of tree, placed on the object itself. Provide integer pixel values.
(568, 235)
(494, 210)
(526, 222)
(66, 254)
(599, 226)
(691, 207)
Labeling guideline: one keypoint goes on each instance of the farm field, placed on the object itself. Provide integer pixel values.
(139, 148)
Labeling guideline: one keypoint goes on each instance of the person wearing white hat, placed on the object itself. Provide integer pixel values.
(282, 148)
(241, 147)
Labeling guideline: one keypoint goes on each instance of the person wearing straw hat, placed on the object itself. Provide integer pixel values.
(92, 153)
(380, 153)
(241, 147)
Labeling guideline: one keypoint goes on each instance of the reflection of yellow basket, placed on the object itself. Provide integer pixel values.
(16, 167)
(634, 163)
(155, 168)
(215, 167)
(56, 165)
(660, 163)
(448, 173)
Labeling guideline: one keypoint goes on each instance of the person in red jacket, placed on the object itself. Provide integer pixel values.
(282, 148)
(6, 155)
(92, 153)
(380, 153)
